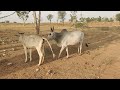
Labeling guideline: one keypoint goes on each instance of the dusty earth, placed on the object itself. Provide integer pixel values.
(100, 60)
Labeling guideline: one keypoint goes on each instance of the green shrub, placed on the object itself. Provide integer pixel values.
(104, 28)
(77, 25)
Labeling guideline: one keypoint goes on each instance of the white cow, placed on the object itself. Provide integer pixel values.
(36, 41)
(66, 38)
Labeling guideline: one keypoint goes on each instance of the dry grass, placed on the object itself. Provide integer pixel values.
(103, 24)
(44, 26)
(93, 65)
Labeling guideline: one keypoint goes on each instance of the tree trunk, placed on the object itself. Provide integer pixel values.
(37, 29)
(24, 23)
(35, 22)
(50, 21)
(39, 16)
(74, 24)
(57, 21)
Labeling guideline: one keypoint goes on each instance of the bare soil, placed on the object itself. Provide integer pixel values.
(100, 60)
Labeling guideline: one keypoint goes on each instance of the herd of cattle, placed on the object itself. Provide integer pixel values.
(63, 39)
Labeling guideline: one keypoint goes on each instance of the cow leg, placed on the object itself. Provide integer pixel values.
(25, 49)
(30, 50)
(67, 52)
(78, 48)
(43, 54)
(81, 42)
(81, 46)
(62, 48)
(40, 55)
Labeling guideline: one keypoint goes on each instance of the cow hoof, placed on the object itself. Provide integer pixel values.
(38, 65)
(67, 57)
(80, 54)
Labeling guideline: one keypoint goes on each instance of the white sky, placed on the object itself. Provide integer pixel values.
(45, 13)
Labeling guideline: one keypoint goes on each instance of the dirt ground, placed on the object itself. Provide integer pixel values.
(101, 60)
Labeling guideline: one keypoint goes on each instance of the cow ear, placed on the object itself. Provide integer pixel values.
(53, 27)
(20, 33)
(51, 30)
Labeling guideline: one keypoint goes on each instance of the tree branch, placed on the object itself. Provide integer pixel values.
(7, 15)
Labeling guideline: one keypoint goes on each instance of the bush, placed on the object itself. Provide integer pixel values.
(104, 28)
(79, 25)
(14, 22)
(7, 21)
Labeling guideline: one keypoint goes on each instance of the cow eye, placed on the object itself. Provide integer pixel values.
(50, 33)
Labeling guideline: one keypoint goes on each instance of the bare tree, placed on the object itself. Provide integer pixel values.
(49, 17)
(23, 15)
(7, 15)
(37, 21)
(118, 17)
(61, 15)
(73, 16)
(57, 20)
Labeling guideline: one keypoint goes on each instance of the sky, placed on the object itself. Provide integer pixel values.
(14, 18)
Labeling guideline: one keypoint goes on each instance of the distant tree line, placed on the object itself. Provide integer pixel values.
(99, 19)
(24, 15)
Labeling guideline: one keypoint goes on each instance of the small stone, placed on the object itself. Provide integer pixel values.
(3, 43)
(9, 64)
(4, 50)
(98, 77)
(37, 69)
(13, 49)
(99, 66)
(49, 72)
(12, 42)
(101, 46)
(88, 52)
(3, 54)
(92, 65)
(86, 63)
